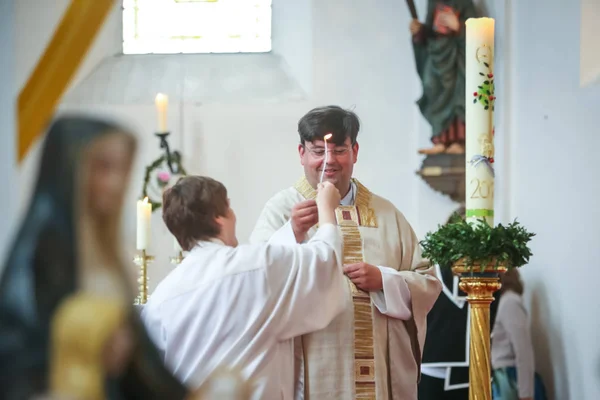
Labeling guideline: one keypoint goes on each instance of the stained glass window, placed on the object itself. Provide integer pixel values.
(196, 26)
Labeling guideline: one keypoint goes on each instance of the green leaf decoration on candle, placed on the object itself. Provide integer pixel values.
(485, 91)
(478, 242)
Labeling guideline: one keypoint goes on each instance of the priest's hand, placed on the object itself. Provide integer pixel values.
(364, 276)
(305, 215)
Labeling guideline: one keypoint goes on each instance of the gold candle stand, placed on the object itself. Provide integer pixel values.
(480, 285)
(142, 260)
(177, 259)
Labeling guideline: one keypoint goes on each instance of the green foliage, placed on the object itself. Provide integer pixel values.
(175, 159)
(478, 243)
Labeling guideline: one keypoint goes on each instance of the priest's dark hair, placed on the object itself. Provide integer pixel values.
(320, 121)
(190, 208)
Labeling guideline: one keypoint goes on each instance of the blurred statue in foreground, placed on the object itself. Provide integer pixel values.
(67, 325)
(439, 47)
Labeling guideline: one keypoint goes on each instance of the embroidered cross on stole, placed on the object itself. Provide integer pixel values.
(349, 219)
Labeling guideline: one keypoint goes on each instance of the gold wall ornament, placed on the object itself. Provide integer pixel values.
(142, 260)
(57, 66)
(480, 283)
(81, 328)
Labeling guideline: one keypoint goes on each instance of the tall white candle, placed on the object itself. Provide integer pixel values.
(479, 119)
(144, 213)
(326, 156)
(161, 103)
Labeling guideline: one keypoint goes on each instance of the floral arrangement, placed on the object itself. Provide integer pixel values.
(158, 177)
(478, 244)
(485, 92)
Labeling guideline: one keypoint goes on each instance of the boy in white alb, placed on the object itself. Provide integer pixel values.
(240, 306)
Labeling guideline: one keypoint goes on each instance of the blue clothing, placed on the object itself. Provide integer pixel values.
(504, 385)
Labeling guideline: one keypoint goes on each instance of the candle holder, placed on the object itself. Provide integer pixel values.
(177, 259)
(142, 260)
(480, 283)
(170, 157)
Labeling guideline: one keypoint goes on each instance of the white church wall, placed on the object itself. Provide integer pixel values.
(9, 197)
(555, 189)
(292, 36)
(35, 22)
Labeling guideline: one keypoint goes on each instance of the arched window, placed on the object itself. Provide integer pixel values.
(196, 26)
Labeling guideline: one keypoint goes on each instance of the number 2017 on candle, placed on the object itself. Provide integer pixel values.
(483, 189)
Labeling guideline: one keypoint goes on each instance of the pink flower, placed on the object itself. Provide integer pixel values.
(164, 176)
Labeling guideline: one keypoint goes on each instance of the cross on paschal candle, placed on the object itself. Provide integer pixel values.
(325, 138)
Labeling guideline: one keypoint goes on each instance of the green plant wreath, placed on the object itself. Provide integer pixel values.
(162, 161)
(478, 243)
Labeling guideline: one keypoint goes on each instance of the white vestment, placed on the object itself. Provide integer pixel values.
(240, 308)
(367, 352)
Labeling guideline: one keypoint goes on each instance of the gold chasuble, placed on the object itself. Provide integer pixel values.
(364, 353)
(349, 219)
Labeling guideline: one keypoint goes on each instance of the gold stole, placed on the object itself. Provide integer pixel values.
(349, 218)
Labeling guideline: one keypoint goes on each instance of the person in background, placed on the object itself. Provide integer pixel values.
(445, 368)
(65, 301)
(513, 369)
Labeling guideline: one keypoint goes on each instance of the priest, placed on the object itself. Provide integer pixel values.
(373, 349)
(239, 307)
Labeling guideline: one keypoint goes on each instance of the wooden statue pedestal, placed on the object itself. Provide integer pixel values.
(445, 173)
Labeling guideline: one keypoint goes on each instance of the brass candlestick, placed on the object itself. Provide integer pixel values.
(177, 259)
(479, 284)
(142, 260)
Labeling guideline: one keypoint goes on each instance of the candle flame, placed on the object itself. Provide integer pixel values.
(328, 136)
(160, 98)
(146, 200)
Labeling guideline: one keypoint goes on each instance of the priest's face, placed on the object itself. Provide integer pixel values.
(337, 160)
